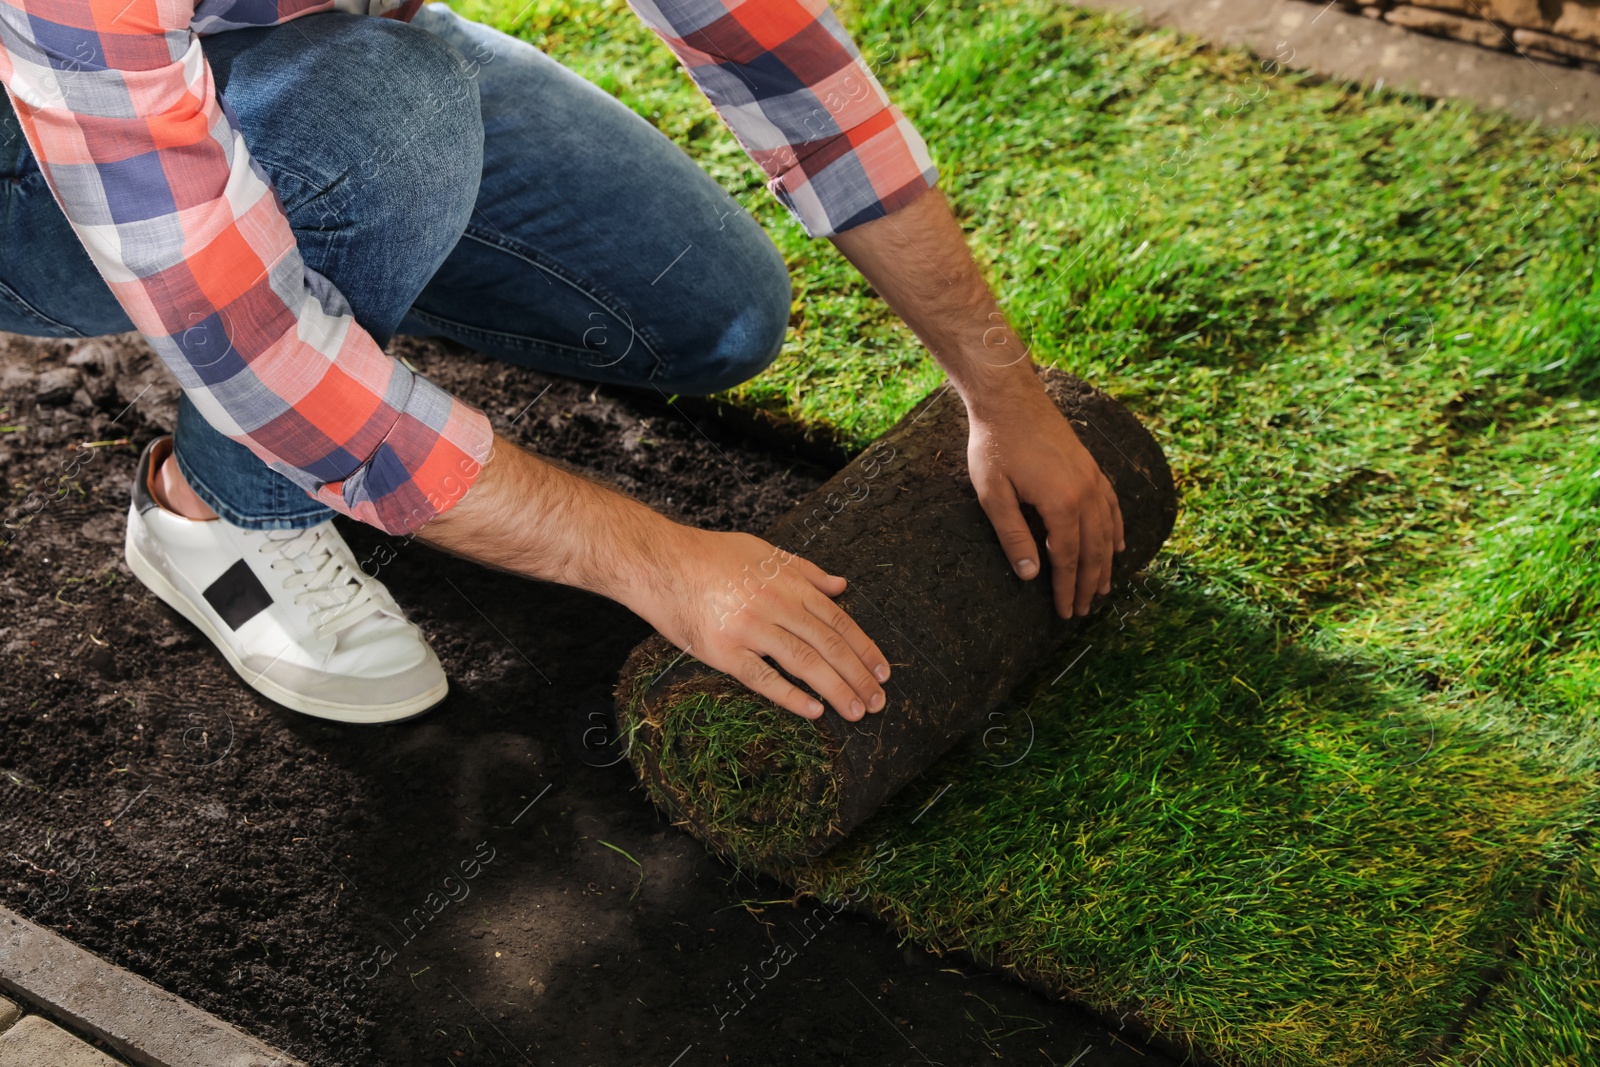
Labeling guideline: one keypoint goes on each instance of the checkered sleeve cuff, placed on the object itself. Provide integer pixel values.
(860, 175)
(432, 454)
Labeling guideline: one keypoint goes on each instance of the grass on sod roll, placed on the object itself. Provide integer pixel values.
(1329, 776)
(746, 775)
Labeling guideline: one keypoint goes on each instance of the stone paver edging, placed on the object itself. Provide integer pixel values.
(38, 1042)
(1337, 44)
(146, 1025)
(9, 1013)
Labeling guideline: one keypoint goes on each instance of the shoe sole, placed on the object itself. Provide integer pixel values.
(153, 579)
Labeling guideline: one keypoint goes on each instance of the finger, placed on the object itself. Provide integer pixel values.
(1116, 514)
(806, 662)
(999, 502)
(830, 584)
(1110, 558)
(757, 675)
(1094, 555)
(865, 648)
(1111, 546)
(821, 629)
(840, 622)
(1063, 545)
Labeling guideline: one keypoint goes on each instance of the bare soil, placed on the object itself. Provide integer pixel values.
(484, 885)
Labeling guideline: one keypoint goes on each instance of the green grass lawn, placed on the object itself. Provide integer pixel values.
(1322, 793)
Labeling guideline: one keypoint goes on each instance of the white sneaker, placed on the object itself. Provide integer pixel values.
(291, 610)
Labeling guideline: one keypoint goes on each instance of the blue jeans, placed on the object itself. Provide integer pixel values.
(452, 181)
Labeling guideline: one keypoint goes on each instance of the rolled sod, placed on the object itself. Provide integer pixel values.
(929, 583)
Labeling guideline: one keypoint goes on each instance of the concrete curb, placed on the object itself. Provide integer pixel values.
(1346, 47)
(144, 1024)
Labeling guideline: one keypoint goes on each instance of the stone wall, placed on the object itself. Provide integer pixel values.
(1555, 31)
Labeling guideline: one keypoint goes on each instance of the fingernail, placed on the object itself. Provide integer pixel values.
(881, 672)
(877, 701)
(1027, 568)
(813, 707)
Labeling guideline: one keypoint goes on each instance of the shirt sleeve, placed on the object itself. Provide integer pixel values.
(148, 163)
(791, 84)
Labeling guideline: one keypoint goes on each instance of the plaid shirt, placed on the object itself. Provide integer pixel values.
(117, 103)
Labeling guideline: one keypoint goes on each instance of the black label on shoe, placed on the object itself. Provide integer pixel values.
(238, 595)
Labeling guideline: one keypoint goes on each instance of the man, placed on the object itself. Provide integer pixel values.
(269, 210)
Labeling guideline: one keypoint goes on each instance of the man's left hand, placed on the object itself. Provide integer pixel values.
(1021, 450)
(1029, 454)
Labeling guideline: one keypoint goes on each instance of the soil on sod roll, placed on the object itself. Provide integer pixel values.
(485, 885)
(930, 584)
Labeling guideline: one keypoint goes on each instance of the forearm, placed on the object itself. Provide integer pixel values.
(533, 518)
(918, 260)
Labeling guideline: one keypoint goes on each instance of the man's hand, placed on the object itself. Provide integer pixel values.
(1020, 446)
(726, 599)
(1030, 455)
(732, 598)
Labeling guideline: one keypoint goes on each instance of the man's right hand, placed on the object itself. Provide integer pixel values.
(731, 598)
(728, 599)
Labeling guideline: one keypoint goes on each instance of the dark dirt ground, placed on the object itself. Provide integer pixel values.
(290, 874)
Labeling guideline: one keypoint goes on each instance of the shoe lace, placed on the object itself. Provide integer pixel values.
(342, 595)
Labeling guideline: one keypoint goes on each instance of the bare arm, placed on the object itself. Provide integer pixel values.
(726, 598)
(1021, 448)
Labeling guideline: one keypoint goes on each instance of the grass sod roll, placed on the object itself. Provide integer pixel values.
(930, 584)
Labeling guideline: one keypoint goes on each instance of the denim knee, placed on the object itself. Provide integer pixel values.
(738, 325)
(428, 150)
